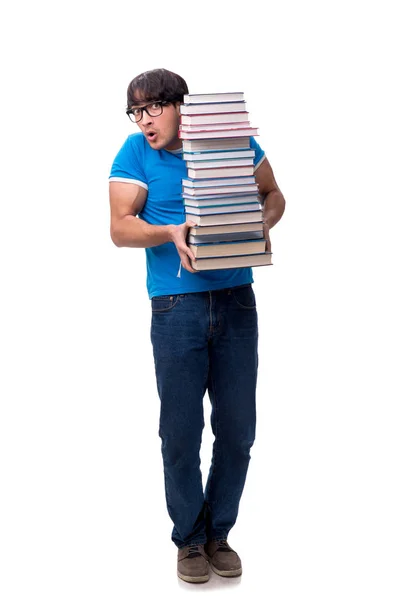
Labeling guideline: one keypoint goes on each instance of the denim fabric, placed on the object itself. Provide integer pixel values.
(205, 341)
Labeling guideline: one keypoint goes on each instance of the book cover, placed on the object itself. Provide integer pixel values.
(219, 164)
(232, 248)
(215, 126)
(242, 143)
(229, 133)
(211, 201)
(224, 237)
(220, 155)
(232, 262)
(227, 189)
(214, 97)
(228, 172)
(214, 118)
(222, 196)
(225, 219)
(221, 210)
(221, 107)
(218, 181)
(225, 229)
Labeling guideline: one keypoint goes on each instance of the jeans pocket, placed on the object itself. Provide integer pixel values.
(164, 303)
(244, 297)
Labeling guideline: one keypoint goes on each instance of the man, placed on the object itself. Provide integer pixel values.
(203, 330)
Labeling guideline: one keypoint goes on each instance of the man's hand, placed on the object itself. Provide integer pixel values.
(266, 236)
(178, 237)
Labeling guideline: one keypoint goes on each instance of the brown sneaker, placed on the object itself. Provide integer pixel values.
(193, 564)
(223, 560)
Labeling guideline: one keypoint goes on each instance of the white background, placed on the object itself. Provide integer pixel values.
(83, 513)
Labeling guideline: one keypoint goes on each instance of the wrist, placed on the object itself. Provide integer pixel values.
(170, 229)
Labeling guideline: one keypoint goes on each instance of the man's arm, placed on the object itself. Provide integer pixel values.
(272, 200)
(126, 230)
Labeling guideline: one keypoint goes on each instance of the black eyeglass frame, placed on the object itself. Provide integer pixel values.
(162, 103)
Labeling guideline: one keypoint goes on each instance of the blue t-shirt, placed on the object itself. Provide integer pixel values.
(161, 172)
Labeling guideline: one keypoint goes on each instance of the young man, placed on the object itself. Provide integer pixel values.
(203, 329)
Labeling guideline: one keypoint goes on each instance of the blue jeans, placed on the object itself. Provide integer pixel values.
(205, 341)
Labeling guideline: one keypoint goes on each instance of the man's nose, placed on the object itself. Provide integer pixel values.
(146, 119)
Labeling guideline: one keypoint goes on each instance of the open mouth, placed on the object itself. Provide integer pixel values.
(151, 135)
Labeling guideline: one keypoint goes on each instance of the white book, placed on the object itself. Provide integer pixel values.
(221, 155)
(220, 172)
(227, 193)
(229, 133)
(202, 109)
(232, 262)
(209, 183)
(218, 118)
(221, 210)
(226, 219)
(225, 229)
(216, 126)
(215, 97)
(242, 143)
(232, 189)
(232, 248)
(220, 201)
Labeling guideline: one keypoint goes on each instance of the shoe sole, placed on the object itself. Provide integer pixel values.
(232, 573)
(194, 579)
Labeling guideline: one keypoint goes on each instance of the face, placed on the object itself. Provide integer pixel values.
(162, 131)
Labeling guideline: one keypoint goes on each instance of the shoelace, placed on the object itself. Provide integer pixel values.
(223, 546)
(193, 552)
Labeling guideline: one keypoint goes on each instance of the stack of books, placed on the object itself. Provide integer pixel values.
(220, 193)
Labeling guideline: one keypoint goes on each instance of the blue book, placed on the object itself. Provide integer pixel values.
(224, 237)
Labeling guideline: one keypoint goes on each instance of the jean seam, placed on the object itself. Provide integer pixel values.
(216, 433)
(242, 305)
(160, 310)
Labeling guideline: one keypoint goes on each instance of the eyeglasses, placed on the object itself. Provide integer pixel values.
(154, 109)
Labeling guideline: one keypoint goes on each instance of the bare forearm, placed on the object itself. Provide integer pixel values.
(273, 207)
(132, 232)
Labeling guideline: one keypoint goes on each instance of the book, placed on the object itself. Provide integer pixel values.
(225, 237)
(220, 155)
(214, 164)
(215, 126)
(207, 201)
(220, 195)
(216, 181)
(222, 210)
(225, 219)
(229, 133)
(241, 171)
(228, 248)
(216, 118)
(220, 107)
(216, 97)
(220, 192)
(231, 189)
(232, 262)
(217, 144)
(226, 229)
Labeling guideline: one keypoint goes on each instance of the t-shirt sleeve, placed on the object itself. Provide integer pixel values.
(260, 154)
(127, 166)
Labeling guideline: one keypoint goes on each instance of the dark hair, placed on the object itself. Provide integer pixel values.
(158, 84)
